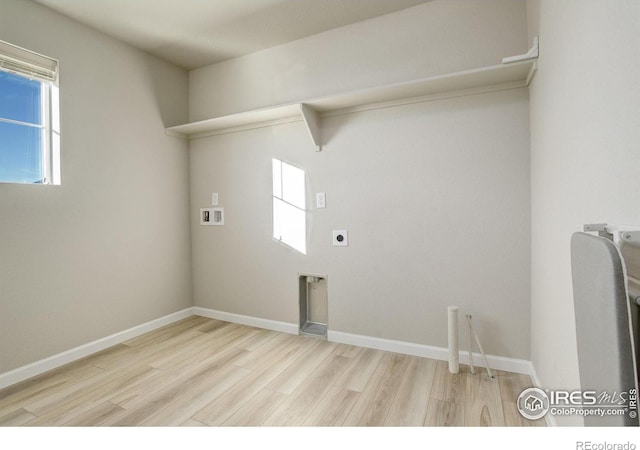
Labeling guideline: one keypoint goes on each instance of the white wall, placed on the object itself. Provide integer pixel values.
(435, 195)
(585, 118)
(109, 249)
(441, 36)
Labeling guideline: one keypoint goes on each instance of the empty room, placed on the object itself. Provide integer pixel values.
(306, 213)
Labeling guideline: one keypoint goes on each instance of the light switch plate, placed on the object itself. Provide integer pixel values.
(340, 238)
(214, 199)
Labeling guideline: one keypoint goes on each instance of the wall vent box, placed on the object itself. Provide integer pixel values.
(211, 216)
(313, 304)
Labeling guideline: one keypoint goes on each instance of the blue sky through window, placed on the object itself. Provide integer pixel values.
(20, 129)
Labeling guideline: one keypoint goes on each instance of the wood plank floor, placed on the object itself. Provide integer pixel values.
(204, 372)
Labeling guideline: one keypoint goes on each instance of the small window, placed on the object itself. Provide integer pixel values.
(289, 215)
(29, 117)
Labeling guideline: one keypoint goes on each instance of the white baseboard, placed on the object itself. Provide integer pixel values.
(408, 348)
(549, 419)
(427, 351)
(44, 365)
(534, 376)
(251, 321)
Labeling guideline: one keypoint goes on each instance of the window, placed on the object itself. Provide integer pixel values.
(29, 117)
(289, 215)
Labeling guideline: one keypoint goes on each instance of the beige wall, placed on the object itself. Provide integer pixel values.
(438, 37)
(435, 196)
(109, 249)
(584, 157)
(447, 180)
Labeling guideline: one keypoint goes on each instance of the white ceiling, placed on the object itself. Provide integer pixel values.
(195, 33)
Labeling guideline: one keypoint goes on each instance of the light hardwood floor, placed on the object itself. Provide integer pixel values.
(200, 372)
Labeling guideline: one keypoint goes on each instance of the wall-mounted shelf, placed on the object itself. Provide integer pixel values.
(485, 79)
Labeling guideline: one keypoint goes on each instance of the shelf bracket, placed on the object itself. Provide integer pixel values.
(530, 55)
(312, 120)
(600, 228)
(628, 234)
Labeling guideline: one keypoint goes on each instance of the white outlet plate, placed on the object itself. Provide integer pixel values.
(340, 238)
(320, 200)
(214, 199)
(211, 216)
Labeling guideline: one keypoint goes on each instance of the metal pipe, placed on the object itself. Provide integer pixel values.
(480, 347)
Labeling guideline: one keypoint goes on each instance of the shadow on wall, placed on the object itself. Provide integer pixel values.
(170, 90)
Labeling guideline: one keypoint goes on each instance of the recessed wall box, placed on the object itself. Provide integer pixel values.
(313, 304)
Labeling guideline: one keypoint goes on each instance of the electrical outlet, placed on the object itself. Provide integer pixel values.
(340, 238)
(214, 199)
(320, 200)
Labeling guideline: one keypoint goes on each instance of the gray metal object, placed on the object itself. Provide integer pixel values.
(600, 228)
(475, 335)
(604, 322)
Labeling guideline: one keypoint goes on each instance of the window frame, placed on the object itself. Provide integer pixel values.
(43, 69)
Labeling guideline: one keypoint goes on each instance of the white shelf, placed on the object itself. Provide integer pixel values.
(502, 76)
